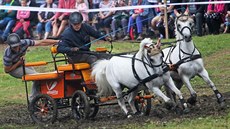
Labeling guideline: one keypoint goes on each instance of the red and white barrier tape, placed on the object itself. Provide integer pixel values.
(104, 9)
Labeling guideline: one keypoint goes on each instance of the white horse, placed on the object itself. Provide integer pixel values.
(129, 70)
(185, 59)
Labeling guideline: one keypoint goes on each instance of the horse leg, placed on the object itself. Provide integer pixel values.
(168, 103)
(121, 100)
(170, 93)
(172, 86)
(204, 75)
(131, 101)
(192, 99)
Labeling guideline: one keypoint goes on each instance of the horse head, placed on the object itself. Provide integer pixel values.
(149, 48)
(183, 26)
(153, 52)
(145, 43)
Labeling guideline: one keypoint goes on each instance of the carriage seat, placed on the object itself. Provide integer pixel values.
(42, 76)
(69, 67)
(77, 66)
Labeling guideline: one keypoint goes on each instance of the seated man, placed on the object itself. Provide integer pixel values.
(7, 19)
(14, 54)
(74, 41)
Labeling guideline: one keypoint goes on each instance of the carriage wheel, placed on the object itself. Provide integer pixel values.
(143, 105)
(80, 105)
(94, 108)
(43, 109)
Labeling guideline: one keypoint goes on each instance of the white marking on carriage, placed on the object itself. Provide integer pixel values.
(119, 70)
(186, 59)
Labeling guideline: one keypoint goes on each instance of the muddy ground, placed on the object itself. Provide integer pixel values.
(112, 117)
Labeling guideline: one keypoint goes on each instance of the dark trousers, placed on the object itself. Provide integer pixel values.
(87, 57)
(213, 25)
(199, 23)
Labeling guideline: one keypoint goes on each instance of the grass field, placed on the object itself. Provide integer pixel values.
(215, 51)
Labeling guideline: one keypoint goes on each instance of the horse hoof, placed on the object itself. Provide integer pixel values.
(186, 110)
(192, 100)
(178, 110)
(169, 105)
(138, 113)
(222, 105)
(129, 116)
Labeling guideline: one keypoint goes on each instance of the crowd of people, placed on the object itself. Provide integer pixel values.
(120, 25)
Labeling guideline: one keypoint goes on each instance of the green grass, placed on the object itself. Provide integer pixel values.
(12, 91)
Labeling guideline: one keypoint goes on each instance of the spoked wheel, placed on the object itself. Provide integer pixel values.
(143, 102)
(80, 105)
(43, 109)
(94, 108)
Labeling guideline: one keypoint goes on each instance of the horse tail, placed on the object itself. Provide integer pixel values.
(99, 72)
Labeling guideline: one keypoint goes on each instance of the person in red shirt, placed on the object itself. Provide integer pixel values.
(61, 18)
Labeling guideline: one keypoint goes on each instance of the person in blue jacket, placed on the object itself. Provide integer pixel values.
(138, 16)
(75, 41)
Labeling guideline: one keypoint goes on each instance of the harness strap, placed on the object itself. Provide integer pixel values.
(143, 81)
(151, 77)
(193, 57)
(133, 68)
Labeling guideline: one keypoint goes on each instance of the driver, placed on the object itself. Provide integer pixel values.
(74, 41)
(14, 55)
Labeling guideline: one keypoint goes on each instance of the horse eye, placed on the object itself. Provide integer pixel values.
(178, 25)
(190, 24)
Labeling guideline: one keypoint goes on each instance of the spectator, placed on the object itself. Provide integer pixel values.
(81, 6)
(93, 4)
(61, 19)
(137, 15)
(33, 18)
(22, 22)
(152, 12)
(214, 16)
(45, 19)
(120, 18)
(7, 19)
(227, 19)
(74, 41)
(14, 54)
(105, 17)
(158, 23)
(199, 18)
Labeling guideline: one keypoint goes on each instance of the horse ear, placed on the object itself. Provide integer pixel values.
(158, 45)
(176, 13)
(186, 11)
(146, 46)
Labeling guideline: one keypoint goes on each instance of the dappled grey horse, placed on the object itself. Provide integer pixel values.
(185, 59)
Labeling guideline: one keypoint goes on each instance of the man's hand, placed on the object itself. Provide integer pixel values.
(74, 49)
(108, 39)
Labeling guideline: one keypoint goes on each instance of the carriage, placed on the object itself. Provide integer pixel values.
(70, 86)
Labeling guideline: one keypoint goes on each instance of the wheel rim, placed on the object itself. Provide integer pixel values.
(143, 105)
(80, 105)
(43, 109)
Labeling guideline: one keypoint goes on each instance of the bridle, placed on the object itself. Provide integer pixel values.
(183, 17)
(191, 55)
